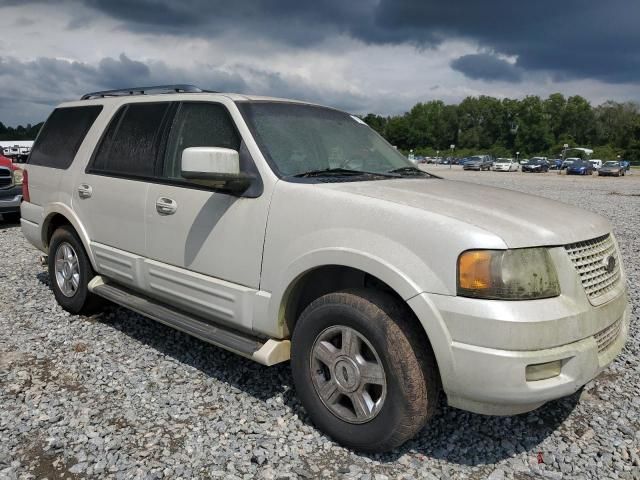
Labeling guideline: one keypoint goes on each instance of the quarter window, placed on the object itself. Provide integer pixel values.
(198, 125)
(130, 145)
(61, 136)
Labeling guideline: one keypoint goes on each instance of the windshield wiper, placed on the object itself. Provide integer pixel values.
(412, 171)
(329, 172)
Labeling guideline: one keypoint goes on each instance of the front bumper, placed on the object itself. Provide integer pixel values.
(501, 387)
(10, 199)
(483, 347)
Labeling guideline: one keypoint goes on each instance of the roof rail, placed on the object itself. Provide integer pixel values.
(146, 90)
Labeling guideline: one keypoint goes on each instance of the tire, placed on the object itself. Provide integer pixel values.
(78, 300)
(399, 405)
(13, 217)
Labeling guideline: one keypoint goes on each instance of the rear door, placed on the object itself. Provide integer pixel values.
(110, 195)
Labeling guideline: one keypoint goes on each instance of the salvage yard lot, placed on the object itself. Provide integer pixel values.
(117, 395)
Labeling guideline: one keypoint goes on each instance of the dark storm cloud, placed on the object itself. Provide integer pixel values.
(30, 89)
(484, 66)
(567, 38)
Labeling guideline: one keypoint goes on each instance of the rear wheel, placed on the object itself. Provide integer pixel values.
(363, 371)
(70, 272)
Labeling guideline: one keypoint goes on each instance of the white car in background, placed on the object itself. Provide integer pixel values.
(505, 165)
(597, 164)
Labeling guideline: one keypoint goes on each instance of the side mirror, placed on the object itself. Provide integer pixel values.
(214, 167)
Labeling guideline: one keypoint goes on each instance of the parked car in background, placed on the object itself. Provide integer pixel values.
(596, 163)
(626, 165)
(545, 159)
(555, 164)
(478, 162)
(536, 165)
(569, 161)
(225, 222)
(505, 165)
(611, 169)
(11, 177)
(580, 167)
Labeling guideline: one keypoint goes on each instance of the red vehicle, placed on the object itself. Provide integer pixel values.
(10, 190)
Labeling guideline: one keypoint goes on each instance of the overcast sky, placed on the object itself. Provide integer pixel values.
(363, 56)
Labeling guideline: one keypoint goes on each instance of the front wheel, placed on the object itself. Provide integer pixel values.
(363, 370)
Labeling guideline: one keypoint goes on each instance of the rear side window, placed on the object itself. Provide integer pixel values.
(198, 125)
(61, 136)
(130, 145)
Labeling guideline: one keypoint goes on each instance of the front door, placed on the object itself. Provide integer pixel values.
(204, 246)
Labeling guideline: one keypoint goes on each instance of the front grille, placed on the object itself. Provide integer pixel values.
(590, 258)
(5, 177)
(606, 337)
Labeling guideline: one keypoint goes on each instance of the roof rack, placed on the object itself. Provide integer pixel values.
(145, 91)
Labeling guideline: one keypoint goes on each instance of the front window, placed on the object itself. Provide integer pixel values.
(297, 139)
(612, 164)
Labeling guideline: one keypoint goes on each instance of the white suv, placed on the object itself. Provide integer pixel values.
(282, 230)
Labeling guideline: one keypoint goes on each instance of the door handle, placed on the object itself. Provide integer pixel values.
(84, 190)
(166, 206)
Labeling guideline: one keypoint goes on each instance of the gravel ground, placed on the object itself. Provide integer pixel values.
(118, 396)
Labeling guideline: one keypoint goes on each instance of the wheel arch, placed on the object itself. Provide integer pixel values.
(59, 214)
(323, 279)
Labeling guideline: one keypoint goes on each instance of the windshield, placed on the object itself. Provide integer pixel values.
(297, 139)
(503, 160)
(534, 161)
(612, 164)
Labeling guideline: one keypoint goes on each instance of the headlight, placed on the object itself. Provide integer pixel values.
(17, 176)
(521, 274)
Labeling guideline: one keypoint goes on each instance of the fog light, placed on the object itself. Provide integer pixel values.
(542, 371)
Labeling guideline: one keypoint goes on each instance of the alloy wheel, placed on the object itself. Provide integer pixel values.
(348, 374)
(67, 269)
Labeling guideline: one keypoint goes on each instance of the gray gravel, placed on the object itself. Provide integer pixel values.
(119, 396)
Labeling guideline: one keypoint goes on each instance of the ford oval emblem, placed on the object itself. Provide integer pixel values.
(610, 264)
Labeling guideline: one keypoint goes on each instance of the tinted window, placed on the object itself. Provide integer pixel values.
(130, 146)
(61, 136)
(198, 125)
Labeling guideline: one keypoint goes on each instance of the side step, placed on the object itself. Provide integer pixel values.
(267, 353)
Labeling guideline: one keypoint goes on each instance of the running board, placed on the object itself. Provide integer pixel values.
(267, 353)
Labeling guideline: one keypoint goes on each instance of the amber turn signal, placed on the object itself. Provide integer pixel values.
(474, 270)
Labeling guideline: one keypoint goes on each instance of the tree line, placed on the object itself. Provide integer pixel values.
(502, 127)
(19, 133)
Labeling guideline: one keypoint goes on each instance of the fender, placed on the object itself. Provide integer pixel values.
(418, 301)
(60, 208)
(366, 262)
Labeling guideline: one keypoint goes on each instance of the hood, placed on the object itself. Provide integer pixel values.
(520, 220)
